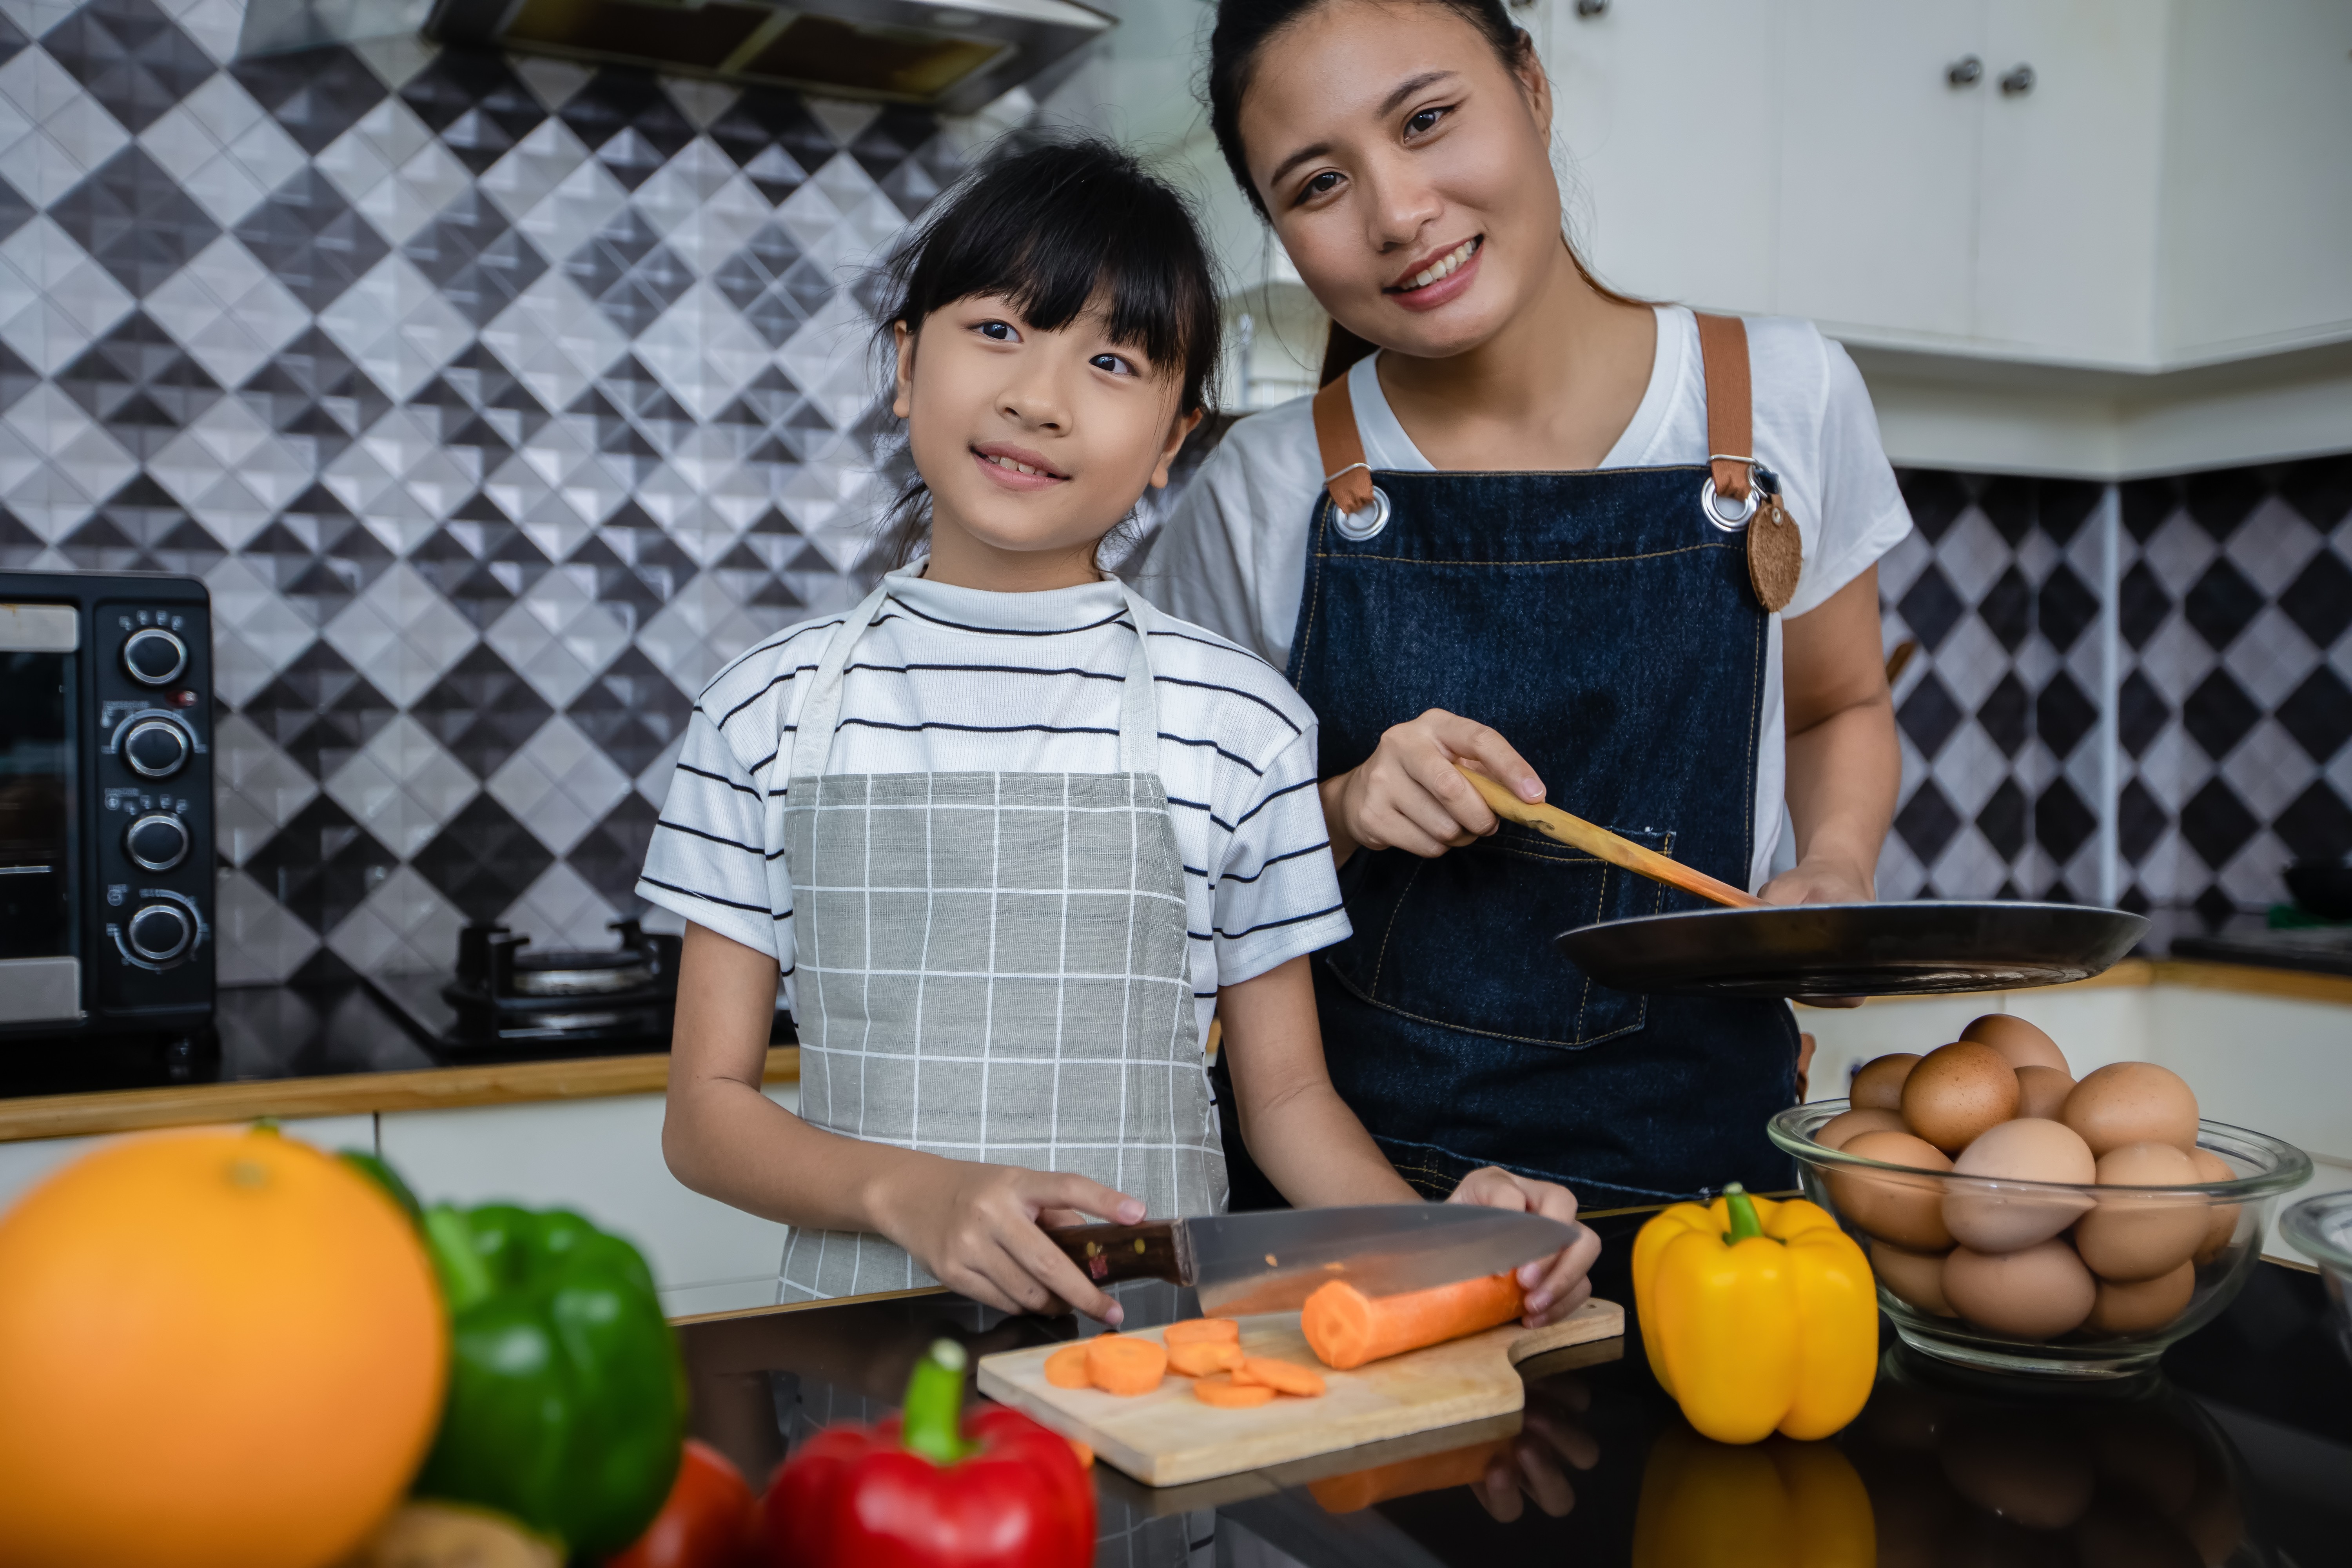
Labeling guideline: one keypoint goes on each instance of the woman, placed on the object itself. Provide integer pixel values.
(1485, 544)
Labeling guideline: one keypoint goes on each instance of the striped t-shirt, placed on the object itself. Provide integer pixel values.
(949, 679)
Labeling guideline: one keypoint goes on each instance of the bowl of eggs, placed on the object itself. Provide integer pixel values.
(2020, 1220)
(2322, 1228)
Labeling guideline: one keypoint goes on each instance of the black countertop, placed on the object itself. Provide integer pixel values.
(2240, 1452)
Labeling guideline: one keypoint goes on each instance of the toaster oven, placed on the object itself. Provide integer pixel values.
(106, 804)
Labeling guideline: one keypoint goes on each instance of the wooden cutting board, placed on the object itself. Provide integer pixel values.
(1168, 1437)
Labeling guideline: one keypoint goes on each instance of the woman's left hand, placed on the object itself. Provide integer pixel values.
(1820, 879)
(1556, 1285)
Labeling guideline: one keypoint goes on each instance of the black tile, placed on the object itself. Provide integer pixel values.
(14, 209)
(632, 712)
(2144, 606)
(753, 281)
(2321, 490)
(2213, 907)
(476, 259)
(483, 859)
(1931, 609)
(2219, 713)
(320, 710)
(612, 854)
(2063, 823)
(318, 555)
(2317, 826)
(479, 403)
(315, 95)
(773, 139)
(630, 274)
(1930, 715)
(2140, 821)
(310, 387)
(1936, 498)
(2135, 900)
(2318, 714)
(322, 865)
(628, 122)
(2066, 505)
(2221, 500)
(16, 377)
(311, 240)
(13, 40)
(131, 58)
(2003, 821)
(482, 710)
(2216, 822)
(2008, 504)
(2147, 504)
(140, 384)
(2319, 600)
(134, 218)
(150, 518)
(479, 561)
(2141, 713)
(2064, 607)
(635, 562)
(473, 100)
(2064, 715)
(1926, 822)
(2006, 713)
(2221, 604)
(20, 547)
(323, 967)
(2008, 609)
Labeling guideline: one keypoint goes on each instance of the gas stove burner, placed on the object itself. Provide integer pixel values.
(506, 995)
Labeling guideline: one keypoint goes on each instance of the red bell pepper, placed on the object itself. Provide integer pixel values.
(931, 1488)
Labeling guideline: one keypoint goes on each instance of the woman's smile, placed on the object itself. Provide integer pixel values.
(1436, 282)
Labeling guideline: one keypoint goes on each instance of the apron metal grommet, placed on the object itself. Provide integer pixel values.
(1362, 525)
(1707, 499)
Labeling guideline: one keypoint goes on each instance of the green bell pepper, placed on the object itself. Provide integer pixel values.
(567, 1398)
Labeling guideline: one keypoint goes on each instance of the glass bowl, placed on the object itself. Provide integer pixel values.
(2322, 1228)
(2036, 1273)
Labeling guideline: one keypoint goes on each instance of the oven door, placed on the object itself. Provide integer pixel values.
(40, 972)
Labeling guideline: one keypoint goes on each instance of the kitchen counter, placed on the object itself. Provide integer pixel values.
(2242, 1451)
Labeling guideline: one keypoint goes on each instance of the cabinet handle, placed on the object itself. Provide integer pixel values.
(2018, 81)
(1587, 9)
(1966, 71)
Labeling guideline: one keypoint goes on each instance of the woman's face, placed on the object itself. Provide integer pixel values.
(1407, 171)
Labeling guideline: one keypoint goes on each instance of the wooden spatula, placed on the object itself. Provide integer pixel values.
(1599, 842)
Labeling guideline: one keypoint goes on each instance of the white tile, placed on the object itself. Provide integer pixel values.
(2177, 554)
(554, 81)
(570, 214)
(395, 326)
(554, 340)
(1971, 662)
(65, 133)
(261, 942)
(224, 149)
(2268, 769)
(654, 782)
(559, 785)
(403, 786)
(2272, 546)
(533, 167)
(227, 311)
(405, 927)
(2174, 767)
(401, 633)
(259, 788)
(700, 102)
(1973, 555)
(2253, 878)
(215, 25)
(2271, 658)
(2175, 659)
(256, 633)
(561, 909)
(557, 637)
(702, 350)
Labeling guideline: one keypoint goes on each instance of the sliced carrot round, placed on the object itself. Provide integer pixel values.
(1195, 1331)
(1282, 1376)
(1202, 1358)
(1124, 1365)
(1222, 1392)
(1067, 1368)
(1086, 1454)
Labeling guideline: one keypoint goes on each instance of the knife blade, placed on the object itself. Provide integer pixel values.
(1271, 1261)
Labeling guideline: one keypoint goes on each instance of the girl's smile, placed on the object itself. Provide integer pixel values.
(1017, 468)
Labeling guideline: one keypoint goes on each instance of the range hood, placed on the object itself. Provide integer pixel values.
(952, 58)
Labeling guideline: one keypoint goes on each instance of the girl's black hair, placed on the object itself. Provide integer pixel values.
(1057, 228)
(1243, 30)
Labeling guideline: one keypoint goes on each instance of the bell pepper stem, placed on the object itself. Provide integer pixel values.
(933, 1418)
(465, 1276)
(1744, 1223)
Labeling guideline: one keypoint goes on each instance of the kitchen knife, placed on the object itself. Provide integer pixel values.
(1270, 1262)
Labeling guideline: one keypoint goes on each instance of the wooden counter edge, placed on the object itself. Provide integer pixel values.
(349, 1094)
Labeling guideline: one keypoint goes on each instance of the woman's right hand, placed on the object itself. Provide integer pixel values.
(976, 1228)
(1410, 794)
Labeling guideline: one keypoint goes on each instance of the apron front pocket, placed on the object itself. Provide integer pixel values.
(1466, 941)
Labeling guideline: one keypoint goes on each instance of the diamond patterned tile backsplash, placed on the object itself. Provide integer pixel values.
(499, 402)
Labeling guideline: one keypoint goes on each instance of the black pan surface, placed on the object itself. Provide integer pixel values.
(1808, 951)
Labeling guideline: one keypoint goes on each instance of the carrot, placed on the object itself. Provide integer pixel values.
(1200, 1358)
(1455, 1468)
(1121, 1364)
(1067, 1368)
(1346, 1328)
(1198, 1330)
(1086, 1454)
(1282, 1376)
(1222, 1392)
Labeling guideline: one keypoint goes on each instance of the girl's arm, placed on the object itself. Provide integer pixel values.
(1310, 1145)
(1846, 766)
(974, 1227)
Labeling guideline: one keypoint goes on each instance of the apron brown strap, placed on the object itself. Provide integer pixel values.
(1723, 351)
(1345, 473)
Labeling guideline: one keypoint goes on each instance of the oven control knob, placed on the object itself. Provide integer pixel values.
(156, 747)
(156, 842)
(160, 932)
(154, 656)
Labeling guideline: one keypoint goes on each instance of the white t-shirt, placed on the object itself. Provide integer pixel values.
(949, 679)
(1232, 555)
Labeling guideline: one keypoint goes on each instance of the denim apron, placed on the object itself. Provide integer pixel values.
(1605, 625)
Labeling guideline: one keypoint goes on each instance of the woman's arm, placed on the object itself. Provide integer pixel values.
(1846, 766)
(974, 1227)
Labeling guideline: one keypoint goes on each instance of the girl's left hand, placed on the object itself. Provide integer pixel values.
(1820, 879)
(1557, 1285)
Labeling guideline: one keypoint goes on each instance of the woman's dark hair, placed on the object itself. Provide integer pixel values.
(1244, 27)
(1056, 228)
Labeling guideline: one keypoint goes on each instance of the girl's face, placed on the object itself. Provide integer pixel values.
(1036, 443)
(1407, 171)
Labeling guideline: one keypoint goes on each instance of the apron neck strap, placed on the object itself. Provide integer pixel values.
(1345, 473)
(1730, 437)
(1139, 702)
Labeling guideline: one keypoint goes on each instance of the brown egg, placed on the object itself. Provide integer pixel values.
(2025, 1150)
(2147, 1451)
(2115, 1534)
(2143, 1304)
(1905, 1210)
(2023, 1045)
(1917, 1277)
(2018, 1463)
(1878, 1083)
(2214, 1522)
(2132, 1102)
(1956, 1092)
(2042, 1092)
(2137, 1235)
(1850, 1124)
(2035, 1293)
(2221, 1219)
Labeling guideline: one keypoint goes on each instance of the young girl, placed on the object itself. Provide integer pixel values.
(1009, 836)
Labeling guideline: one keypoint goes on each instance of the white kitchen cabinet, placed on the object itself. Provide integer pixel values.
(23, 1163)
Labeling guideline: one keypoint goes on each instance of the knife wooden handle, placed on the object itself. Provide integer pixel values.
(1577, 833)
(1106, 1254)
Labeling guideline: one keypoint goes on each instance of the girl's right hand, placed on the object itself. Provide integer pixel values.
(1410, 794)
(976, 1228)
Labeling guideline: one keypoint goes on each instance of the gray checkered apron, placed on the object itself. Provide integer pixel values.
(991, 967)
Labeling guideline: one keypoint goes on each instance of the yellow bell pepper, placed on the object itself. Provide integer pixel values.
(1776, 1505)
(1757, 1316)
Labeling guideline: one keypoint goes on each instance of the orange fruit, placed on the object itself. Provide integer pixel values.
(220, 1350)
